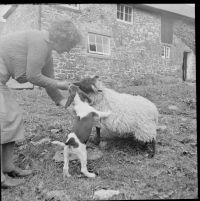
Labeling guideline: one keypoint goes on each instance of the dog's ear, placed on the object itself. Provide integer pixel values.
(72, 142)
(72, 93)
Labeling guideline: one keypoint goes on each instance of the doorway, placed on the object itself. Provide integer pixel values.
(184, 66)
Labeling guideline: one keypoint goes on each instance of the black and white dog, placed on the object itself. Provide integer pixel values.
(82, 128)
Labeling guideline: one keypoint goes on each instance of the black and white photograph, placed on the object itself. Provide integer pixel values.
(98, 102)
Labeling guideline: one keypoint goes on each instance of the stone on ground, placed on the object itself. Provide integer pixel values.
(105, 194)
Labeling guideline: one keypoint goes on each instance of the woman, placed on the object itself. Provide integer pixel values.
(27, 56)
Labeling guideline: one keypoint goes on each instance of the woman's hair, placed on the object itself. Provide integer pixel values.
(62, 30)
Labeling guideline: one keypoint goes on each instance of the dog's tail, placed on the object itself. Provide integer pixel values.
(58, 143)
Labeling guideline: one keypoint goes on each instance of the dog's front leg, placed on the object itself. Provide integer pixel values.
(66, 163)
(83, 158)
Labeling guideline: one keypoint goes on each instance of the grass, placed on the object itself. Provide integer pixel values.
(171, 174)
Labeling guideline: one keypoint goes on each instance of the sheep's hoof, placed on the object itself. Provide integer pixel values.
(151, 155)
(151, 148)
(96, 141)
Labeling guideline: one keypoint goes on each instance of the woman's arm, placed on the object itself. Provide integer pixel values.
(40, 71)
(54, 93)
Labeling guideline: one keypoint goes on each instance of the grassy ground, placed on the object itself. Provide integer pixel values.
(171, 174)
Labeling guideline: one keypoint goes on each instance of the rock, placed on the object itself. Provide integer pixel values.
(54, 131)
(183, 119)
(45, 140)
(57, 195)
(105, 194)
(194, 122)
(173, 107)
(162, 127)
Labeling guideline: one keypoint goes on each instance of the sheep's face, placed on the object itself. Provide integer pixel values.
(98, 85)
(73, 91)
(90, 85)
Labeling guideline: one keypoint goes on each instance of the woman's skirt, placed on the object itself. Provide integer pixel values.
(11, 121)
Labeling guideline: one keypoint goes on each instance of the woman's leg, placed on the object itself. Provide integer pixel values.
(8, 164)
(6, 181)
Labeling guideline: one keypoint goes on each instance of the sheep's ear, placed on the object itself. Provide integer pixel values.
(85, 85)
(84, 96)
(95, 77)
(70, 98)
(77, 83)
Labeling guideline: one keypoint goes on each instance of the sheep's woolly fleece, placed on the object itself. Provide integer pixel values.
(130, 114)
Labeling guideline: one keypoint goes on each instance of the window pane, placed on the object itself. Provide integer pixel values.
(163, 51)
(121, 17)
(92, 47)
(129, 18)
(99, 48)
(118, 7)
(118, 14)
(130, 11)
(99, 39)
(106, 49)
(126, 17)
(100, 44)
(122, 8)
(105, 41)
(91, 38)
(126, 10)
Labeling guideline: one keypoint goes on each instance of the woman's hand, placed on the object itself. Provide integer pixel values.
(63, 85)
(63, 102)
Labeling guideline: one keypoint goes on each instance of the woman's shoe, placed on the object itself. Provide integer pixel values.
(10, 182)
(18, 172)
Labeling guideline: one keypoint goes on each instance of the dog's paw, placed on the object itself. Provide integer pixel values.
(90, 175)
(66, 174)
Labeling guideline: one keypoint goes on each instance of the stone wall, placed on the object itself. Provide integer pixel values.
(135, 48)
(24, 17)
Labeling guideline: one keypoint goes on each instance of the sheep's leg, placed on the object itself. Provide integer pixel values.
(151, 148)
(97, 139)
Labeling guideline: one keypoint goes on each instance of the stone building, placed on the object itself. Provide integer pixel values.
(1, 26)
(122, 41)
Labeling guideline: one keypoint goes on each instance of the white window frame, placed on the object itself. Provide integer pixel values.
(166, 50)
(123, 20)
(96, 52)
(73, 7)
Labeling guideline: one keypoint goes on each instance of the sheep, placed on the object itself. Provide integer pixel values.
(133, 115)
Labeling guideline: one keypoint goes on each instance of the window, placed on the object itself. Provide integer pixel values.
(124, 13)
(74, 6)
(166, 52)
(99, 44)
(166, 30)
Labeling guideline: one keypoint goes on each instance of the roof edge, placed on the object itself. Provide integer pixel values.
(159, 10)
